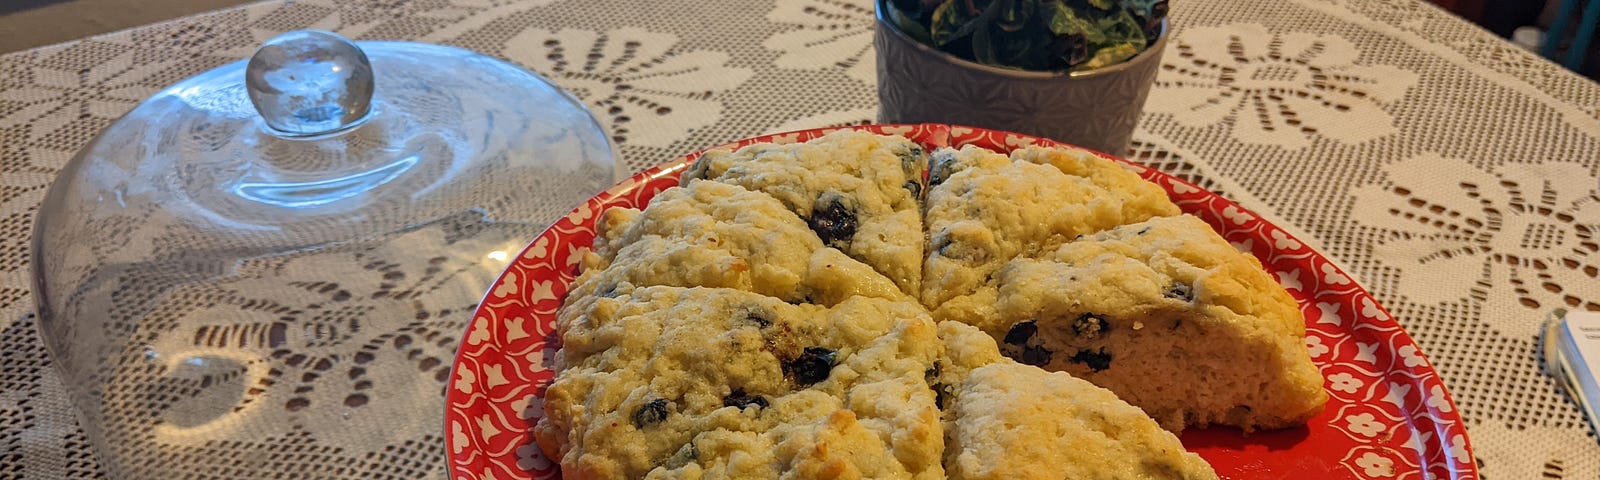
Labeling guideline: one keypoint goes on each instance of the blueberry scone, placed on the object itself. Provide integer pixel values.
(712, 234)
(667, 382)
(858, 191)
(1019, 422)
(1166, 314)
(1004, 420)
(984, 208)
(762, 321)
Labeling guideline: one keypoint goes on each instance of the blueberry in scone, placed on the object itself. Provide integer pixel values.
(1004, 420)
(711, 234)
(859, 192)
(834, 219)
(1168, 315)
(669, 382)
(984, 209)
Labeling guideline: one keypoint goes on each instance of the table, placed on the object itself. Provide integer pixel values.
(1452, 173)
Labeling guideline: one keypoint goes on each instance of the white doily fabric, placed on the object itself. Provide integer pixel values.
(1452, 173)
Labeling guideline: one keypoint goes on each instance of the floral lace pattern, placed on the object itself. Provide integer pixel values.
(1276, 89)
(376, 18)
(830, 34)
(224, 33)
(640, 88)
(55, 98)
(1522, 234)
(836, 118)
(322, 352)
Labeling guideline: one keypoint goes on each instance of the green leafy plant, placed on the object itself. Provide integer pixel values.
(1039, 35)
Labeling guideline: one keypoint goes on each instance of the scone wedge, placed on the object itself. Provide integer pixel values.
(859, 192)
(711, 234)
(984, 209)
(668, 382)
(1008, 421)
(1169, 316)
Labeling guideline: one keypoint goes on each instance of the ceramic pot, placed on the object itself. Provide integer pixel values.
(1095, 109)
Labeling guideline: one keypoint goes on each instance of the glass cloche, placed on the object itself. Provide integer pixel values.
(263, 271)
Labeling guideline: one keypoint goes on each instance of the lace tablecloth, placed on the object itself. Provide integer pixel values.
(1453, 173)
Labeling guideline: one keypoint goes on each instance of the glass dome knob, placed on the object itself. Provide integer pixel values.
(310, 82)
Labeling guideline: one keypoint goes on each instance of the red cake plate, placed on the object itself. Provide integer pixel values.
(1389, 416)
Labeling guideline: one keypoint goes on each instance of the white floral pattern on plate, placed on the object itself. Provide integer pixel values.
(643, 92)
(1276, 89)
(1520, 237)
